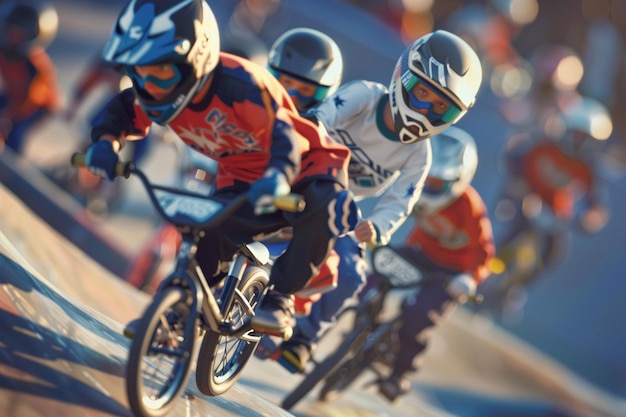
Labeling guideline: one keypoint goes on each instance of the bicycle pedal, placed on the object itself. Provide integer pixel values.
(272, 328)
(288, 365)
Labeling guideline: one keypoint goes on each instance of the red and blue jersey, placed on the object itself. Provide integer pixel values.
(245, 121)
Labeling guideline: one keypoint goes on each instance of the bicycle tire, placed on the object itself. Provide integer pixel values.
(379, 342)
(341, 378)
(222, 358)
(152, 361)
(354, 338)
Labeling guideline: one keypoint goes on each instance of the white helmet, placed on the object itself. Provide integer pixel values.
(587, 123)
(184, 33)
(309, 55)
(590, 116)
(450, 68)
(455, 160)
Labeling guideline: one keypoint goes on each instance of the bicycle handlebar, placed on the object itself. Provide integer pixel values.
(122, 169)
(292, 202)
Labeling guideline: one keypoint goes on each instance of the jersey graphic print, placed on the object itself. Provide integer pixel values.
(363, 170)
(219, 138)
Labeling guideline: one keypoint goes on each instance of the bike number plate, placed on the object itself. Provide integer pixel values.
(398, 270)
(186, 209)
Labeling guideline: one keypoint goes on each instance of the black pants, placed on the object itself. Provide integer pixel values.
(421, 312)
(310, 245)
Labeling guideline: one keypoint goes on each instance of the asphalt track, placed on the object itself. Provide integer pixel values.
(63, 353)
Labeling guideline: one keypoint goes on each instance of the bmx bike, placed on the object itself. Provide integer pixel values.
(370, 343)
(185, 309)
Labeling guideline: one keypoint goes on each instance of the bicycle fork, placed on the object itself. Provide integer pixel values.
(215, 309)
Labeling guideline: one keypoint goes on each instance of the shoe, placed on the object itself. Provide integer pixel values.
(275, 316)
(131, 327)
(268, 348)
(394, 387)
(294, 355)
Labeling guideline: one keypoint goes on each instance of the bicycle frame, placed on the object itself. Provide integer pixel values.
(199, 211)
(185, 306)
(394, 272)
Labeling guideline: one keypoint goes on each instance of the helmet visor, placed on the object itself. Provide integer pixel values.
(305, 101)
(162, 79)
(436, 186)
(420, 94)
(307, 92)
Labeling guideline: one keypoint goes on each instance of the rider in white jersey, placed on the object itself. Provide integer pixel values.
(385, 130)
(380, 164)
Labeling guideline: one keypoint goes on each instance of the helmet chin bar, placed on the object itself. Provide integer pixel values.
(406, 136)
(404, 133)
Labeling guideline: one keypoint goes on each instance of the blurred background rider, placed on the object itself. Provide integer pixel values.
(29, 89)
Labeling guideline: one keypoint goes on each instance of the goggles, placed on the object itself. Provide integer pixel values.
(409, 81)
(320, 91)
(163, 83)
(319, 95)
(437, 186)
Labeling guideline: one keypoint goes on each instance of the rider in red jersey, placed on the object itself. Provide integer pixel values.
(235, 112)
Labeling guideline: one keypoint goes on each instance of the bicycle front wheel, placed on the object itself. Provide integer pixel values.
(378, 347)
(160, 354)
(222, 357)
(341, 378)
(351, 343)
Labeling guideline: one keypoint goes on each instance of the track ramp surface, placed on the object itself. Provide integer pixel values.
(61, 314)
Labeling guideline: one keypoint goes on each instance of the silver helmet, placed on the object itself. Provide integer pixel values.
(587, 124)
(455, 160)
(308, 55)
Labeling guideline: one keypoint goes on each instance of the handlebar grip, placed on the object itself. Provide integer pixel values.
(292, 202)
(78, 160)
(122, 169)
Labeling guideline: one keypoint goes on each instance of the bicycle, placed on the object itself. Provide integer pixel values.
(370, 344)
(185, 308)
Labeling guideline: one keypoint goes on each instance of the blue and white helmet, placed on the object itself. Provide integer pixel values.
(450, 67)
(182, 32)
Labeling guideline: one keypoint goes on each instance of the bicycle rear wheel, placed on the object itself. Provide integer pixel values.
(222, 357)
(160, 354)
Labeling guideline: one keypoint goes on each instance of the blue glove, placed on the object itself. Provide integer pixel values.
(101, 159)
(262, 192)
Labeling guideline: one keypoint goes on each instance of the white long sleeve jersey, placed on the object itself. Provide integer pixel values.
(380, 164)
